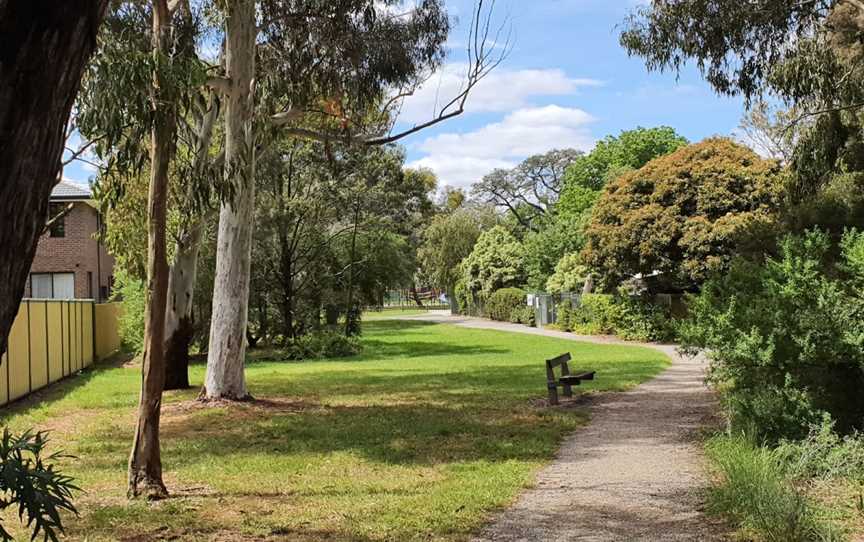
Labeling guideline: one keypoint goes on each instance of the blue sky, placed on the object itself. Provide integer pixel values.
(566, 83)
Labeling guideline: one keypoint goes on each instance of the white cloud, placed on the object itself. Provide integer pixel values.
(460, 159)
(502, 90)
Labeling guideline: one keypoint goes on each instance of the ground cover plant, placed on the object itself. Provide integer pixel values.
(439, 420)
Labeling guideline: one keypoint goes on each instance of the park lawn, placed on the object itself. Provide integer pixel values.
(418, 438)
(394, 313)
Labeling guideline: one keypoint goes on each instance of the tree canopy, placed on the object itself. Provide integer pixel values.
(497, 261)
(685, 214)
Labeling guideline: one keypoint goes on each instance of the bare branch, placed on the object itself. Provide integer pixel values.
(59, 216)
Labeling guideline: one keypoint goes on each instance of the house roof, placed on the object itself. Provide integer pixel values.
(67, 190)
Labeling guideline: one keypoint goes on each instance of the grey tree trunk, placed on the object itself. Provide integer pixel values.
(227, 345)
(179, 322)
(44, 48)
(179, 319)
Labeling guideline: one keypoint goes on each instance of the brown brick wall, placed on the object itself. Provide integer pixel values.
(75, 253)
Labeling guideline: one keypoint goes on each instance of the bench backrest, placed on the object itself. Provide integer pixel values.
(555, 362)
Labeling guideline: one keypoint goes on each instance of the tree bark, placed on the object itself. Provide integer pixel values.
(145, 463)
(227, 345)
(44, 48)
(179, 323)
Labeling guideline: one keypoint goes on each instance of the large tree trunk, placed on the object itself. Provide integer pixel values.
(145, 463)
(44, 48)
(227, 348)
(179, 324)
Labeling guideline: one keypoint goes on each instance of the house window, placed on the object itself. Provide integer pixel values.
(52, 285)
(58, 228)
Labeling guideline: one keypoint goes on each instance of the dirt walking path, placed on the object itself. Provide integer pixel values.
(635, 472)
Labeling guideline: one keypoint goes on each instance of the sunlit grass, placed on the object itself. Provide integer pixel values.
(420, 437)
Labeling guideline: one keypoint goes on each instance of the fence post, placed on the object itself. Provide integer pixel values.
(93, 329)
(47, 346)
(29, 353)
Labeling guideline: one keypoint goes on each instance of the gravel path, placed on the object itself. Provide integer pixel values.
(634, 472)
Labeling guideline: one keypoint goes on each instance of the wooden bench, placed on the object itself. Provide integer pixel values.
(566, 380)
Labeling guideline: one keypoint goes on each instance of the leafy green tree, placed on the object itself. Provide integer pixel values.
(447, 241)
(613, 155)
(569, 275)
(544, 248)
(684, 215)
(497, 261)
(802, 51)
(784, 336)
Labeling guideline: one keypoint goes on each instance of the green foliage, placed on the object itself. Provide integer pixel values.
(497, 261)
(447, 241)
(322, 344)
(685, 214)
(824, 455)
(545, 248)
(132, 293)
(503, 302)
(595, 315)
(805, 53)
(785, 337)
(569, 275)
(523, 314)
(29, 482)
(613, 155)
(628, 317)
(757, 495)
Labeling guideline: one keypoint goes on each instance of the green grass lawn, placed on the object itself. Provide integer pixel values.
(418, 438)
(395, 313)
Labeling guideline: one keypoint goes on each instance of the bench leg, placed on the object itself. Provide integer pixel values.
(568, 390)
(553, 395)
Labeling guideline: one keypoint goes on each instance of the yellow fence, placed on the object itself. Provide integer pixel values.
(52, 339)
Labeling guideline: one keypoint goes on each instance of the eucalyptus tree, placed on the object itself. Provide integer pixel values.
(802, 51)
(136, 91)
(323, 69)
(807, 54)
(44, 49)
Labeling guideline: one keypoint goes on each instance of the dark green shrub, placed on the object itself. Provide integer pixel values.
(324, 344)
(502, 302)
(30, 484)
(639, 319)
(631, 318)
(524, 315)
(785, 337)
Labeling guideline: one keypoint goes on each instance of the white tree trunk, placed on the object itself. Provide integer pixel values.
(227, 347)
(178, 313)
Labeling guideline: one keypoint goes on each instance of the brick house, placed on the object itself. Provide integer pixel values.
(70, 262)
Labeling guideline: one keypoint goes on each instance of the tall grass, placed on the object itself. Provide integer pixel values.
(754, 491)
